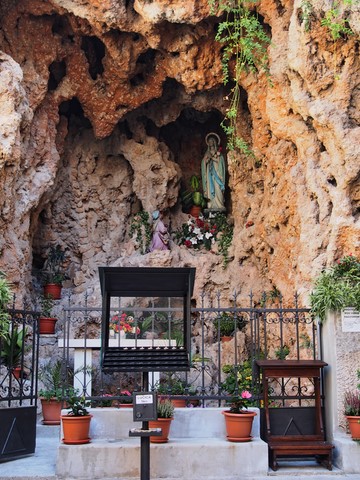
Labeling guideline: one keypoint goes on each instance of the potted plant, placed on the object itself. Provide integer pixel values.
(193, 200)
(175, 386)
(76, 423)
(46, 320)
(12, 349)
(51, 393)
(352, 410)
(227, 323)
(165, 413)
(53, 272)
(337, 287)
(238, 419)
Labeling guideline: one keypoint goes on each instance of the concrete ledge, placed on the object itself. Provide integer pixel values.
(346, 453)
(197, 448)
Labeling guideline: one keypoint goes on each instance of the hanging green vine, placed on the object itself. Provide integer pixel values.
(141, 227)
(245, 42)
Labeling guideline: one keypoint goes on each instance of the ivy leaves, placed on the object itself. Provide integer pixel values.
(245, 43)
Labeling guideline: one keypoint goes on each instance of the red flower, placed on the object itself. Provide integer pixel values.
(187, 243)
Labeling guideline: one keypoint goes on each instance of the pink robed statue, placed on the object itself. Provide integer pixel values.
(160, 239)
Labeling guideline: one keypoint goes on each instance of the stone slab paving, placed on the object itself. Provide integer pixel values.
(41, 466)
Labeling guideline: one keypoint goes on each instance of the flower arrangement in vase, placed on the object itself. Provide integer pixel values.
(123, 324)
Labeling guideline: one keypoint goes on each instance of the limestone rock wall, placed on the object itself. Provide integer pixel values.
(104, 109)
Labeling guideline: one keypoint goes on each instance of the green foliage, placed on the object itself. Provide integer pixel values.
(53, 271)
(306, 11)
(244, 40)
(12, 346)
(238, 378)
(193, 196)
(173, 385)
(282, 352)
(78, 406)
(333, 20)
(228, 322)
(141, 227)
(165, 408)
(5, 297)
(47, 304)
(51, 376)
(337, 287)
(203, 232)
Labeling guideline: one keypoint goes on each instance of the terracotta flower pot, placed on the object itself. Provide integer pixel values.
(179, 402)
(51, 410)
(53, 290)
(354, 426)
(238, 426)
(16, 371)
(76, 429)
(47, 325)
(195, 211)
(164, 424)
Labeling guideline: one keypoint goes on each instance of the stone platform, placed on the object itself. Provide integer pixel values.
(197, 448)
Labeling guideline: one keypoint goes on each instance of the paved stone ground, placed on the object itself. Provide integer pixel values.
(41, 465)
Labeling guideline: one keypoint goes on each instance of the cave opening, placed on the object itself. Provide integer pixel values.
(57, 72)
(94, 50)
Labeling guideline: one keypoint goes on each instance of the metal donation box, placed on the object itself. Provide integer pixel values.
(146, 318)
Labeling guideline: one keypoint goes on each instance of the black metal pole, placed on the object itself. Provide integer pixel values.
(145, 440)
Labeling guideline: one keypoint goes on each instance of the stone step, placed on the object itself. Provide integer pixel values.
(197, 448)
(180, 458)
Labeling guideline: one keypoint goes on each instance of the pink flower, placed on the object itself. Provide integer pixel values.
(246, 394)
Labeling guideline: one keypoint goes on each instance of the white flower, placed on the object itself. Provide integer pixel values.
(200, 236)
(197, 231)
(193, 241)
(189, 222)
(208, 235)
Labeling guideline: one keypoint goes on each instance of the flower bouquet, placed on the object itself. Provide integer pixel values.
(123, 324)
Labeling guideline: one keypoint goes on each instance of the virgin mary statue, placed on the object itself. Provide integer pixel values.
(213, 174)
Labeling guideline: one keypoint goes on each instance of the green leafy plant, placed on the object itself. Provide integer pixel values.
(53, 384)
(334, 21)
(193, 196)
(5, 297)
(282, 352)
(142, 229)
(78, 407)
(245, 41)
(306, 10)
(165, 408)
(47, 304)
(226, 323)
(12, 346)
(238, 378)
(337, 288)
(173, 385)
(53, 270)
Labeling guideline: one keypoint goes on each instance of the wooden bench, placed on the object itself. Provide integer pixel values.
(320, 449)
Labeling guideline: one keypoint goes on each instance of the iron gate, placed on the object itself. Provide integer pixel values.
(18, 385)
